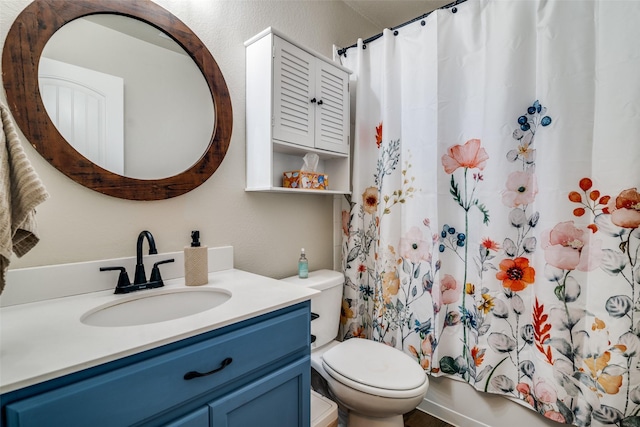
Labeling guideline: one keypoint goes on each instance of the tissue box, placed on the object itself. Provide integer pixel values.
(306, 180)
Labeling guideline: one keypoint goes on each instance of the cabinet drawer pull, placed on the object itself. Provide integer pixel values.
(195, 374)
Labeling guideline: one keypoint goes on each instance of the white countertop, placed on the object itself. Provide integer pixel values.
(43, 340)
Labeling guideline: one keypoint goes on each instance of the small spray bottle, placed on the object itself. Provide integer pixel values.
(303, 265)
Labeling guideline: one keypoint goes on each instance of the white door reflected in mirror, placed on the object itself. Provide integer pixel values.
(87, 107)
(168, 110)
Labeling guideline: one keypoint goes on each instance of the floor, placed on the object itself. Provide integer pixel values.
(417, 418)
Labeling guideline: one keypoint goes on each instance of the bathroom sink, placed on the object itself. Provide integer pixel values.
(155, 306)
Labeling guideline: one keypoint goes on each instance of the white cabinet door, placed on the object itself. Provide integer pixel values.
(293, 87)
(332, 110)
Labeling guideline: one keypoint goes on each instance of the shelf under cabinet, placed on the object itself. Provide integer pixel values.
(295, 190)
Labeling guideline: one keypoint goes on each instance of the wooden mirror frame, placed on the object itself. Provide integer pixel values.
(20, 58)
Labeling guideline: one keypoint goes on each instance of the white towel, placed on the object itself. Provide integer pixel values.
(20, 192)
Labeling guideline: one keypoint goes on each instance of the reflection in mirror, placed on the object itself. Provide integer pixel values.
(126, 96)
(26, 40)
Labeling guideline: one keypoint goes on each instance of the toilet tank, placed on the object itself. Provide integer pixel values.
(326, 304)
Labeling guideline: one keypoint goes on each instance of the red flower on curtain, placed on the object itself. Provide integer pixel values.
(490, 245)
(625, 209)
(516, 273)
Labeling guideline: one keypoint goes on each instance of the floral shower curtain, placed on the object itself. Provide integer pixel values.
(493, 233)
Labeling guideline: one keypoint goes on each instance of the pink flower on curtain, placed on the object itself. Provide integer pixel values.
(545, 392)
(470, 155)
(521, 189)
(571, 248)
(555, 416)
(449, 289)
(625, 209)
(413, 247)
(525, 391)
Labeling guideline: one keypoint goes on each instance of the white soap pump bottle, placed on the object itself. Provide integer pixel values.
(303, 265)
(196, 262)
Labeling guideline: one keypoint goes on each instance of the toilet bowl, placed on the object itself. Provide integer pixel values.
(374, 382)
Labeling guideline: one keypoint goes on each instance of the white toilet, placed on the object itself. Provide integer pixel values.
(375, 382)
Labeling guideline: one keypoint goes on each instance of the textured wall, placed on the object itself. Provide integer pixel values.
(266, 230)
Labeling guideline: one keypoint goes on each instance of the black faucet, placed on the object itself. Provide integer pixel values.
(140, 278)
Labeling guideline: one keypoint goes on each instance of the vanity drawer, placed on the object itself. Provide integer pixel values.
(150, 387)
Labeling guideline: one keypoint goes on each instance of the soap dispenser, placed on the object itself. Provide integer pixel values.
(303, 265)
(196, 262)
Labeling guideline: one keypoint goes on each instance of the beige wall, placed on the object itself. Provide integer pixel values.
(266, 230)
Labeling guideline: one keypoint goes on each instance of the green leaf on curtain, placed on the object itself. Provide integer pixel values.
(509, 247)
(405, 266)
(529, 244)
(455, 192)
(565, 411)
(618, 306)
(483, 373)
(503, 383)
(608, 415)
(613, 262)
(633, 421)
(527, 368)
(634, 395)
(484, 210)
(448, 365)
(501, 343)
(353, 254)
(533, 220)
(562, 346)
(559, 291)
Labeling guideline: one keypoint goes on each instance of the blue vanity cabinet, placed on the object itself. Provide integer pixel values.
(272, 401)
(266, 382)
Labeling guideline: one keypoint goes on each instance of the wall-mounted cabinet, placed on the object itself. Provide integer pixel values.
(297, 103)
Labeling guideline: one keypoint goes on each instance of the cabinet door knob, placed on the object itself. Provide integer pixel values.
(320, 102)
(195, 374)
(313, 100)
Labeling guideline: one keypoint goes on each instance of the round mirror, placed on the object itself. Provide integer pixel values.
(126, 96)
(168, 140)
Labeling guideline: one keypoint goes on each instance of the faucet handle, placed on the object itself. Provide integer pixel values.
(155, 272)
(123, 278)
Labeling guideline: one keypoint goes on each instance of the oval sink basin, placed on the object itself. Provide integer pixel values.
(159, 306)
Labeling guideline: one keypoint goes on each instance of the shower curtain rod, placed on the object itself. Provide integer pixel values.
(451, 6)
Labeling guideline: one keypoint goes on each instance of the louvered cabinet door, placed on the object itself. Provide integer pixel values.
(293, 97)
(332, 108)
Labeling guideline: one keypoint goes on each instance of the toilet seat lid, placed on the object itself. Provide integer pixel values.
(375, 364)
